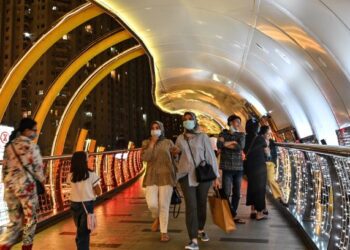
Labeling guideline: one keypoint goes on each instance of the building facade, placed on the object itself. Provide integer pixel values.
(121, 106)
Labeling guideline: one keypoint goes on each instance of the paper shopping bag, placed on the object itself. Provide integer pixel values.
(221, 213)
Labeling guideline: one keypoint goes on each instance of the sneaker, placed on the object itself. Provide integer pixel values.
(192, 246)
(203, 236)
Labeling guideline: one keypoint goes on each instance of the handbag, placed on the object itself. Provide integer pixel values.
(40, 188)
(221, 211)
(91, 219)
(176, 202)
(204, 171)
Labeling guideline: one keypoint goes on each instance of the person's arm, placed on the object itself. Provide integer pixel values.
(221, 143)
(176, 149)
(210, 155)
(98, 189)
(147, 150)
(96, 186)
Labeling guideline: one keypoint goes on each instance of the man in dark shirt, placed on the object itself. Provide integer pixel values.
(231, 143)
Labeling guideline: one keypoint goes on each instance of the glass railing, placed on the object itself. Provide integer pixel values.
(115, 169)
(315, 179)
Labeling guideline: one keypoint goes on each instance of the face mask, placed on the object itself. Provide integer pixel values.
(189, 124)
(156, 132)
(233, 129)
(32, 136)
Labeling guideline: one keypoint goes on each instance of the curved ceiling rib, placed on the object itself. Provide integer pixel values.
(293, 67)
(67, 23)
(86, 87)
(96, 48)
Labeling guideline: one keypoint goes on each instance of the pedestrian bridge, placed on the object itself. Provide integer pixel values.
(287, 60)
(314, 179)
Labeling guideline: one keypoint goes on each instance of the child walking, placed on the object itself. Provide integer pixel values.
(85, 186)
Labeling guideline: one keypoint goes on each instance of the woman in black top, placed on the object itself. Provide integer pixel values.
(255, 167)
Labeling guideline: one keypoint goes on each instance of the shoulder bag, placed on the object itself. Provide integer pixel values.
(176, 202)
(204, 171)
(91, 219)
(40, 188)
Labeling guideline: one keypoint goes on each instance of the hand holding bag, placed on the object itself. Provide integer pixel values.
(204, 171)
(91, 219)
(40, 188)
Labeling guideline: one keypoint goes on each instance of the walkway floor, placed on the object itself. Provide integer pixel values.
(124, 223)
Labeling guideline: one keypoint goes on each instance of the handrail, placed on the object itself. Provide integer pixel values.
(322, 149)
(67, 156)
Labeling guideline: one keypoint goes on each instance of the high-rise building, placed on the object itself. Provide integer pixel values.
(120, 106)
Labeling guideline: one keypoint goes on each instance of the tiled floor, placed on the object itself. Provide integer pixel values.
(124, 223)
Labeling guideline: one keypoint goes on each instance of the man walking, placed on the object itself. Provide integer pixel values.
(231, 143)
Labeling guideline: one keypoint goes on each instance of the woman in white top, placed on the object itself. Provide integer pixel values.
(195, 193)
(85, 185)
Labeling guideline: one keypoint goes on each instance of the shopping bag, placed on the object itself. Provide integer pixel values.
(221, 212)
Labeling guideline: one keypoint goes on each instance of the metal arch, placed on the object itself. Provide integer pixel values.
(67, 23)
(86, 87)
(73, 68)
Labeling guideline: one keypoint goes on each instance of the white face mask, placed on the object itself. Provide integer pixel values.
(233, 129)
(156, 132)
(189, 124)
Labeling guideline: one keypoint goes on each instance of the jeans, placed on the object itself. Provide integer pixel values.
(231, 182)
(82, 238)
(196, 205)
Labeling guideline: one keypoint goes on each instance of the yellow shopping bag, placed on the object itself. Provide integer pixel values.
(221, 212)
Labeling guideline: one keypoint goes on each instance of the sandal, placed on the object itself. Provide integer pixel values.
(239, 221)
(164, 237)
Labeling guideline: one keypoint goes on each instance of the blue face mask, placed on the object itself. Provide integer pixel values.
(189, 124)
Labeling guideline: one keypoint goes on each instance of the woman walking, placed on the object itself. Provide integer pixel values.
(22, 167)
(85, 185)
(271, 161)
(255, 167)
(160, 177)
(194, 147)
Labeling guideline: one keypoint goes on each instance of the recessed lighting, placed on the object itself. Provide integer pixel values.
(218, 36)
(148, 8)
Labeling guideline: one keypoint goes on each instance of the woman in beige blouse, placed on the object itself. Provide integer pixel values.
(160, 177)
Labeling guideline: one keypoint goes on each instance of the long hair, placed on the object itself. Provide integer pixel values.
(79, 166)
(25, 123)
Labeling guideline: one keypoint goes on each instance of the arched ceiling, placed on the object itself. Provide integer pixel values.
(288, 57)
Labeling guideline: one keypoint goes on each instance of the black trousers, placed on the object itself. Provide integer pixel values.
(196, 205)
(82, 238)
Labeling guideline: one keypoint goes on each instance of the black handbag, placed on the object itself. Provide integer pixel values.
(176, 202)
(204, 171)
(40, 188)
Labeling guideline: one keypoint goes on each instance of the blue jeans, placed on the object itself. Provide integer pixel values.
(82, 238)
(231, 182)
